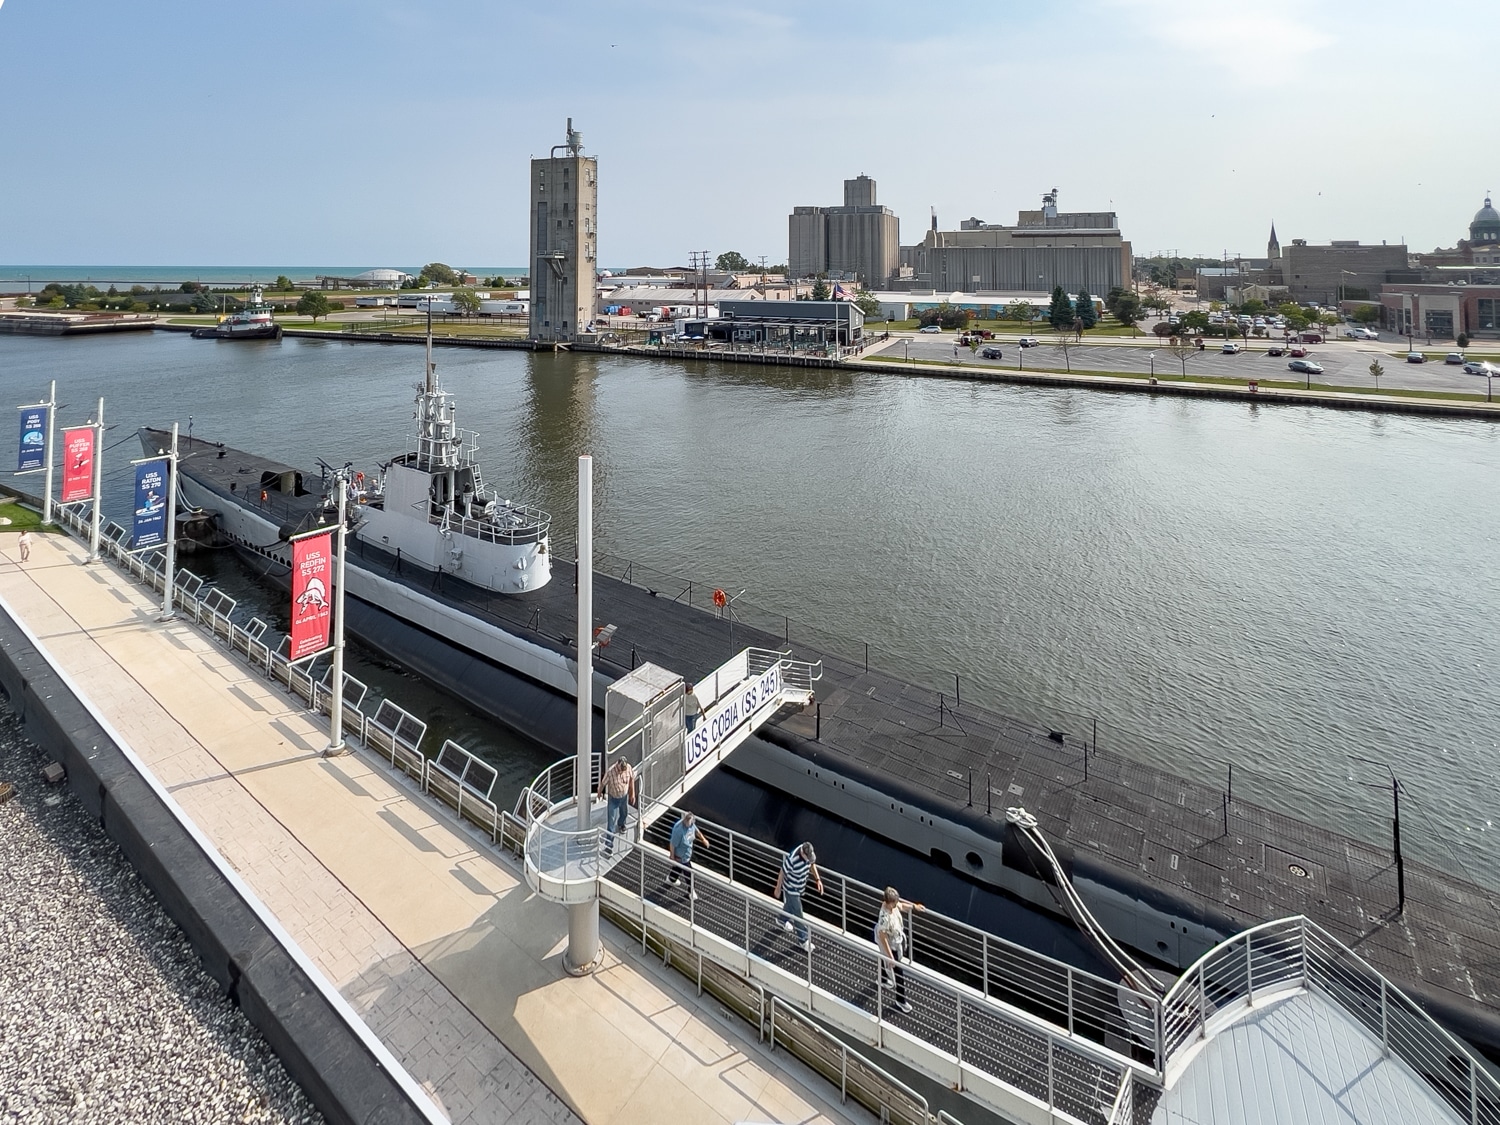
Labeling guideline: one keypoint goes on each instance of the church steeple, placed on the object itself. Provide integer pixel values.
(1273, 247)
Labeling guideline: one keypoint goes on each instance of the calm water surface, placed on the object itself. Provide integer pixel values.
(1308, 594)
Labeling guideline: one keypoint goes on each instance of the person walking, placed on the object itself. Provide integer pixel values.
(685, 834)
(890, 936)
(797, 867)
(618, 787)
(24, 544)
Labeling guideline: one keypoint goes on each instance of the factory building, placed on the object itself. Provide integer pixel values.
(859, 241)
(1046, 248)
(564, 233)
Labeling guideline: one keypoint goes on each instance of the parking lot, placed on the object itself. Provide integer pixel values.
(1344, 363)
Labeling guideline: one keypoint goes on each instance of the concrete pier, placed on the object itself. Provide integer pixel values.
(427, 933)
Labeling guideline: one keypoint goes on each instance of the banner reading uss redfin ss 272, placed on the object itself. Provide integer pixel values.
(312, 597)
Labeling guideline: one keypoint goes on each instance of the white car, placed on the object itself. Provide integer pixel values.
(929, 328)
(1029, 342)
(1231, 348)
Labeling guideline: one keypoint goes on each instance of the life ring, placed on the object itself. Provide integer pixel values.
(721, 599)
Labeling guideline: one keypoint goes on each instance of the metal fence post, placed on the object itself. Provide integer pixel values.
(1070, 1000)
(1249, 971)
(984, 965)
(1385, 1030)
(844, 903)
(1051, 1089)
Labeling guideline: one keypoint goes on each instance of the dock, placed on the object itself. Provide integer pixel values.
(429, 936)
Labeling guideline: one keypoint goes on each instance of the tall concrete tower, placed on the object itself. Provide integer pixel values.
(564, 233)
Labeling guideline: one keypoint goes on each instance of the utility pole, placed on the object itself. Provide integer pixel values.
(98, 481)
(336, 703)
(170, 564)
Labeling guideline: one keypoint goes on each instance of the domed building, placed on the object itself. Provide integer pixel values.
(1483, 247)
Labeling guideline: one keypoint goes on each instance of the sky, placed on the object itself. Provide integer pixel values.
(396, 132)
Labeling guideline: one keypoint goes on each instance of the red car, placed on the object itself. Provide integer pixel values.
(1299, 353)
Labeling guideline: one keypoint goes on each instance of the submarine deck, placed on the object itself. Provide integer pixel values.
(1139, 827)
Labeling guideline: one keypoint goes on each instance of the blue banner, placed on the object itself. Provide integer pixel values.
(150, 504)
(33, 454)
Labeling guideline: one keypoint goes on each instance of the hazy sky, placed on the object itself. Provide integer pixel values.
(386, 132)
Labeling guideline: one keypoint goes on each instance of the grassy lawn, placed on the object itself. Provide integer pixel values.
(1192, 378)
(18, 518)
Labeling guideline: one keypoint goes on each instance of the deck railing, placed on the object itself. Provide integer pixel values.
(1295, 954)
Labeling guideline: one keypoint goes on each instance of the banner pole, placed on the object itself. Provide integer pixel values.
(47, 476)
(336, 705)
(171, 564)
(98, 481)
(583, 917)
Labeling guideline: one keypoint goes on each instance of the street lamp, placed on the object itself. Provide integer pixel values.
(1152, 357)
(906, 350)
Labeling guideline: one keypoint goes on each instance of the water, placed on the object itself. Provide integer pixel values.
(1305, 593)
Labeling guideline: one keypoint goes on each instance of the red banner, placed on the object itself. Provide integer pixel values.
(312, 594)
(78, 464)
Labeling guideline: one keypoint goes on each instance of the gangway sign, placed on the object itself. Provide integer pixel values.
(646, 723)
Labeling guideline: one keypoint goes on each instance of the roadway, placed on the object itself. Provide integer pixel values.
(1345, 363)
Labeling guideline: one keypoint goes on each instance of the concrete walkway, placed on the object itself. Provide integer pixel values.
(432, 938)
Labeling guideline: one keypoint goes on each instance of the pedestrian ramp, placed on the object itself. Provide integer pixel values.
(673, 734)
(1021, 1034)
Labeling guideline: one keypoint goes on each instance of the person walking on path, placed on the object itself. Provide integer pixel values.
(890, 935)
(24, 544)
(797, 867)
(618, 786)
(685, 833)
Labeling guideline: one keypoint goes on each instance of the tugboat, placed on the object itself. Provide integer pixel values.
(253, 322)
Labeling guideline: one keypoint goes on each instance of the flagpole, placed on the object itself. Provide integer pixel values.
(171, 563)
(47, 477)
(336, 704)
(98, 481)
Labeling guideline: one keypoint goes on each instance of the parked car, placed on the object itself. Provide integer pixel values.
(990, 353)
(1415, 357)
(1231, 348)
(1305, 367)
(1354, 334)
(1472, 367)
(1029, 342)
(1298, 353)
(1311, 337)
(1275, 351)
(1455, 357)
(929, 328)
(1369, 333)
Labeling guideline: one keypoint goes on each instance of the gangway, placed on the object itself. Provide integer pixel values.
(673, 735)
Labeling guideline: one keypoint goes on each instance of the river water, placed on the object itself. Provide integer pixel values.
(1307, 594)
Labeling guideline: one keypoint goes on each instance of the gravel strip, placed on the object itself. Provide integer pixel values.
(106, 1014)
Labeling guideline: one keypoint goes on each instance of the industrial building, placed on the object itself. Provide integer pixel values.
(564, 232)
(859, 241)
(1046, 248)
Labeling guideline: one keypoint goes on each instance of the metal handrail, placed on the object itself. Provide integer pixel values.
(845, 1053)
(1298, 954)
(1073, 1000)
(1065, 1072)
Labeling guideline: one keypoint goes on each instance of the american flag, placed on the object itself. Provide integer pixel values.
(842, 294)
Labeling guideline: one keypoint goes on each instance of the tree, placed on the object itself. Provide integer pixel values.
(1163, 329)
(439, 274)
(868, 303)
(1376, 371)
(1127, 309)
(1024, 311)
(1064, 343)
(820, 290)
(466, 301)
(313, 304)
(732, 261)
(1181, 349)
(1088, 316)
(1253, 307)
(283, 284)
(1112, 298)
(1060, 311)
(1367, 314)
(1195, 321)
(945, 316)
